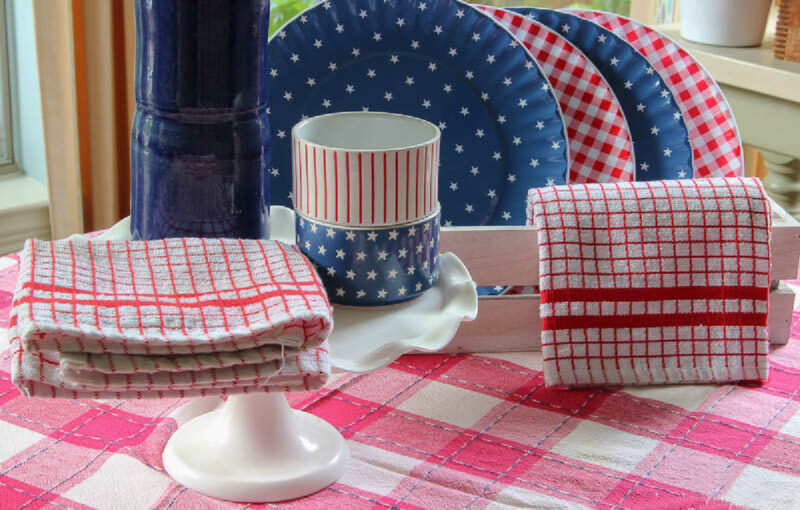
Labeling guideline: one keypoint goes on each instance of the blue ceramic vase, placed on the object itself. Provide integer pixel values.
(200, 136)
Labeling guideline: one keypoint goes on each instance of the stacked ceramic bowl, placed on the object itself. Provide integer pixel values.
(365, 188)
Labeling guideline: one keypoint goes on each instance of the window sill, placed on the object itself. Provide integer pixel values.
(24, 211)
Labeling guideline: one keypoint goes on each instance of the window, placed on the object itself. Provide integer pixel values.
(6, 143)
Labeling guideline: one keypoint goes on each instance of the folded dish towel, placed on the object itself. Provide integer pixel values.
(653, 282)
(173, 317)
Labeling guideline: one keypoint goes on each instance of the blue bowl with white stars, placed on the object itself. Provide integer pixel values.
(372, 266)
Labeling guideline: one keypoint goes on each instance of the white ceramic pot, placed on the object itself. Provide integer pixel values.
(365, 168)
(724, 22)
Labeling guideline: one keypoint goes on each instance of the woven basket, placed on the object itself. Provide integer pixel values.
(787, 33)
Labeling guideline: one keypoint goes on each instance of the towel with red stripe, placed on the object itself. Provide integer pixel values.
(168, 318)
(653, 282)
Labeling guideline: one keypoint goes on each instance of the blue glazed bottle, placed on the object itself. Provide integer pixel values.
(200, 136)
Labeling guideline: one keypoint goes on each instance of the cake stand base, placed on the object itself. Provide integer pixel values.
(256, 449)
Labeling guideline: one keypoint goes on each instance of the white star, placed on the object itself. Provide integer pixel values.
(412, 231)
(361, 255)
(401, 291)
(528, 64)
(640, 107)
(331, 271)
(491, 193)
(437, 29)
(332, 66)
(497, 156)
(371, 73)
(681, 174)
(411, 270)
(303, 117)
(454, 186)
(432, 66)
(418, 287)
(377, 36)
(448, 88)
(539, 125)
(425, 263)
(401, 253)
(664, 93)
(501, 119)
(282, 34)
(360, 293)
(382, 255)
(349, 235)
(400, 22)
(453, 52)
(326, 103)
(340, 292)
(415, 45)
(565, 28)
(388, 96)
(550, 181)
(506, 215)
(409, 80)
(393, 273)
(363, 13)
(654, 130)
(484, 96)
(393, 235)
(326, 5)
(371, 275)
(676, 115)
(556, 145)
(351, 275)
(330, 233)
(468, 208)
(273, 72)
(317, 43)
(448, 223)
(321, 249)
(422, 6)
(372, 236)
(667, 152)
(545, 86)
(303, 19)
(340, 28)
(281, 134)
(365, 108)
(275, 172)
(512, 178)
(340, 254)
(426, 103)
(474, 170)
(287, 96)
(460, 13)
(356, 52)
(313, 228)
(614, 61)
(308, 245)
(295, 57)
(534, 162)
(476, 36)
(523, 103)
(507, 81)
(479, 133)
(628, 85)
(650, 70)
(442, 125)
(350, 89)
(419, 248)
(394, 59)
(490, 59)
(464, 111)
(382, 293)
(644, 166)
(459, 148)
(601, 39)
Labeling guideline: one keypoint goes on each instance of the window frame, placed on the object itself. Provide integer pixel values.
(7, 165)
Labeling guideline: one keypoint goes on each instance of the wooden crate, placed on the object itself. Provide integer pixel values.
(509, 256)
(787, 31)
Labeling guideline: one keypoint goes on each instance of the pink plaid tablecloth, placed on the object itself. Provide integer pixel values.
(442, 431)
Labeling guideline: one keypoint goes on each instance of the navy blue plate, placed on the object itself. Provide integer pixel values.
(660, 138)
(443, 61)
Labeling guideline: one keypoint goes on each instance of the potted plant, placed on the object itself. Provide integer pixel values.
(724, 22)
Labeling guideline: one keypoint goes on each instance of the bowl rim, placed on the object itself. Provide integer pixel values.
(436, 212)
(431, 141)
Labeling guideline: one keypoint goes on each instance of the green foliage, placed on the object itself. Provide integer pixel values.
(282, 11)
(617, 6)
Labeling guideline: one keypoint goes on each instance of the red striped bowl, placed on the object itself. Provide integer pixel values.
(365, 168)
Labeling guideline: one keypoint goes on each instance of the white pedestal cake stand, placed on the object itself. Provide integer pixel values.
(254, 448)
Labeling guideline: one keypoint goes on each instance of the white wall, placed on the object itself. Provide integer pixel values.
(26, 106)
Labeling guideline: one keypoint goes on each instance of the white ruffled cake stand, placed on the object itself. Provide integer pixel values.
(254, 448)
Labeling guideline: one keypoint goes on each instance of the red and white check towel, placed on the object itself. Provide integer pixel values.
(653, 282)
(173, 317)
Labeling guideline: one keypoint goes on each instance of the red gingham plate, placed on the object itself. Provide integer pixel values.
(716, 143)
(599, 138)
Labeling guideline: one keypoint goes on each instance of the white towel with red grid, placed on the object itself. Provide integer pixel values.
(172, 317)
(653, 282)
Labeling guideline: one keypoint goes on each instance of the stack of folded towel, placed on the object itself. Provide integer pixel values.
(173, 317)
(653, 282)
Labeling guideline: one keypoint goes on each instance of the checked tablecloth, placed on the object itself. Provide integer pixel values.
(441, 431)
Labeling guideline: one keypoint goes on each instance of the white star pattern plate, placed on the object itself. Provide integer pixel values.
(441, 60)
(716, 143)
